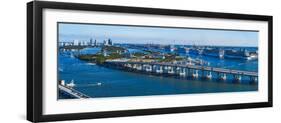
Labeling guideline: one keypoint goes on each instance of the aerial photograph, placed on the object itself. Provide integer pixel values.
(107, 60)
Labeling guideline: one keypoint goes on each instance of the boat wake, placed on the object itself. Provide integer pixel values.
(60, 69)
(91, 63)
(89, 85)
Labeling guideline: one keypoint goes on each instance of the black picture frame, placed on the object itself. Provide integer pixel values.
(35, 69)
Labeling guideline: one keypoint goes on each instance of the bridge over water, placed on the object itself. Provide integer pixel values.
(183, 70)
(72, 92)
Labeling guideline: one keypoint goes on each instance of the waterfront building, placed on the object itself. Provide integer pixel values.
(91, 42)
(95, 44)
(107, 42)
(83, 43)
(110, 42)
(61, 44)
(76, 43)
(68, 43)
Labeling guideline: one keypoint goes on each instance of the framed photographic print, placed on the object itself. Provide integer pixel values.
(96, 61)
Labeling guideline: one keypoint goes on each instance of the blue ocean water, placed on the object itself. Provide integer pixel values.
(97, 81)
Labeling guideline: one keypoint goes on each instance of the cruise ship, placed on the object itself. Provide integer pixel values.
(240, 54)
(215, 52)
(227, 53)
(195, 51)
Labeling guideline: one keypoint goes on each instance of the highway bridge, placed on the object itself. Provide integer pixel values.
(72, 92)
(182, 70)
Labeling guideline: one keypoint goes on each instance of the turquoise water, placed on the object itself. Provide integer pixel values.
(116, 83)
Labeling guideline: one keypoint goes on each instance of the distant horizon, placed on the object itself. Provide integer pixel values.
(169, 44)
(157, 35)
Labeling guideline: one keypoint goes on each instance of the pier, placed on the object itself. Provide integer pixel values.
(186, 70)
(72, 92)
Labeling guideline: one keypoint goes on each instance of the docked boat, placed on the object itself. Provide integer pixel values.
(71, 84)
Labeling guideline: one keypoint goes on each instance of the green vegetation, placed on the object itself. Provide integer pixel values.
(98, 58)
(171, 58)
(113, 52)
(87, 57)
(151, 52)
(114, 56)
(178, 58)
(166, 60)
(138, 54)
(113, 49)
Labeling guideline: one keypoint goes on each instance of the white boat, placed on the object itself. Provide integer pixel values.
(71, 84)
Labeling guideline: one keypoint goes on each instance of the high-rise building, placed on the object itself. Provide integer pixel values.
(91, 42)
(95, 44)
(109, 41)
(76, 42)
(105, 43)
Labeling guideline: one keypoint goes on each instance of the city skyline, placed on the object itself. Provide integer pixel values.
(156, 35)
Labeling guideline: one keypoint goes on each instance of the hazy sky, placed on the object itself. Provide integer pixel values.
(156, 35)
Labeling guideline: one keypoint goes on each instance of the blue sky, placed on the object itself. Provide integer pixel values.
(156, 35)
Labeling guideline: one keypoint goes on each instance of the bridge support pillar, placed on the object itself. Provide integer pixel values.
(154, 68)
(160, 70)
(134, 66)
(237, 77)
(182, 72)
(139, 67)
(165, 69)
(170, 70)
(222, 76)
(195, 74)
(148, 68)
(209, 75)
(177, 70)
(253, 79)
(143, 67)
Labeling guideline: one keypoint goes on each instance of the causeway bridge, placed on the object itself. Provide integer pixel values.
(184, 70)
(72, 92)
